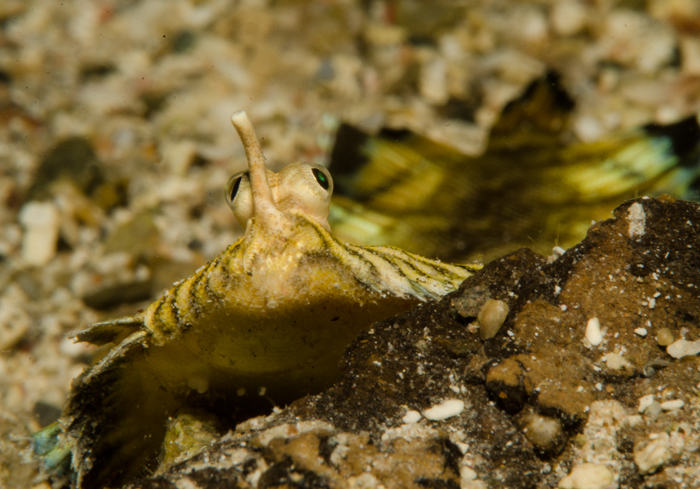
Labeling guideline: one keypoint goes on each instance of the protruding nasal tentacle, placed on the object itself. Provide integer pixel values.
(263, 203)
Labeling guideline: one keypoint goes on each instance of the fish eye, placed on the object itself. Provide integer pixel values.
(322, 179)
(305, 187)
(233, 185)
(239, 196)
(233, 189)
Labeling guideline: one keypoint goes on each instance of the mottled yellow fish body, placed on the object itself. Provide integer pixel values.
(279, 317)
(533, 186)
(265, 322)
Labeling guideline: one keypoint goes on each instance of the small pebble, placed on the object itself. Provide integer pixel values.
(672, 405)
(593, 333)
(649, 456)
(653, 410)
(634, 420)
(444, 410)
(683, 348)
(645, 402)
(637, 220)
(641, 332)
(587, 476)
(467, 473)
(41, 222)
(615, 361)
(557, 252)
(568, 17)
(664, 337)
(542, 431)
(411, 417)
(491, 317)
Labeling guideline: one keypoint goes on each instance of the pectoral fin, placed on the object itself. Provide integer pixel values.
(117, 412)
(114, 331)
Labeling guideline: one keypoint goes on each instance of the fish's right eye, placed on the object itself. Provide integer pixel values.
(233, 185)
(239, 196)
(233, 190)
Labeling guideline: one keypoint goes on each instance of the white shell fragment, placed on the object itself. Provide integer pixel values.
(593, 333)
(637, 220)
(672, 405)
(444, 410)
(41, 222)
(491, 317)
(649, 456)
(543, 431)
(587, 476)
(616, 362)
(683, 348)
(411, 417)
(645, 402)
(467, 473)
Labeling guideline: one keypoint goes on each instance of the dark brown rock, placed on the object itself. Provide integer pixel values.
(538, 373)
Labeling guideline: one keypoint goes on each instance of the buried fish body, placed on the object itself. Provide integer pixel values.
(265, 322)
(533, 186)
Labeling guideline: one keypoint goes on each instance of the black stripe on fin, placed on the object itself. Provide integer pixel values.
(684, 136)
(347, 156)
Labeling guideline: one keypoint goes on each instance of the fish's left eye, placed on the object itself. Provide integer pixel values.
(321, 178)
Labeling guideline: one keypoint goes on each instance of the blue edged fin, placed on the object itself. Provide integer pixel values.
(49, 445)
